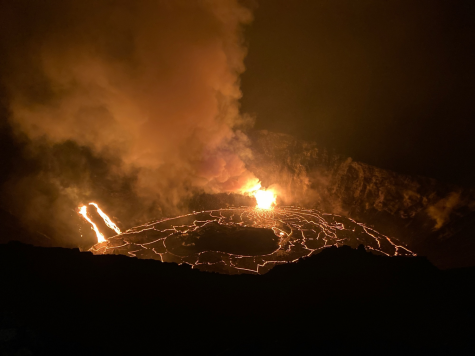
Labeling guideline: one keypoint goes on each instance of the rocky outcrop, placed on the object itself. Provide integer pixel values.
(411, 208)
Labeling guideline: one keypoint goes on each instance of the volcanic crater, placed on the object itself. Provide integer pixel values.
(246, 239)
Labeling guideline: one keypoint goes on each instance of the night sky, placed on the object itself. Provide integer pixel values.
(389, 83)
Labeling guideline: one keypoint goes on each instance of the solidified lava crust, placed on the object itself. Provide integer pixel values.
(246, 240)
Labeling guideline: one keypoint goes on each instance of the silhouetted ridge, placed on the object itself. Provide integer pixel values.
(347, 261)
(62, 301)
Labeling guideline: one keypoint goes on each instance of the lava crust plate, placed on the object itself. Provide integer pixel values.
(245, 240)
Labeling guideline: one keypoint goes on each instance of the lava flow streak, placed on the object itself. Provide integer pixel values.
(107, 221)
(246, 239)
(83, 212)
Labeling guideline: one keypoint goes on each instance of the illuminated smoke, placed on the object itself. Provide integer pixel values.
(441, 210)
(148, 88)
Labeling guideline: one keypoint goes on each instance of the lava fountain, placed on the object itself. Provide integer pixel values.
(265, 199)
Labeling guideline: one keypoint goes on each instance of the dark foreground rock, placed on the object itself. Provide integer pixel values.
(341, 301)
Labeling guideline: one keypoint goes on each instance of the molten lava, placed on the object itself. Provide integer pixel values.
(83, 212)
(244, 239)
(107, 221)
(219, 240)
(265, 199)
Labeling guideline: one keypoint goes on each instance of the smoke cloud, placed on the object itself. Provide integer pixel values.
(114, 99)
(442, 210)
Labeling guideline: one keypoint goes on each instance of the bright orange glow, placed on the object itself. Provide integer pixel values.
(301, 233)
(83, 212)
(107, 220)
(265, 199)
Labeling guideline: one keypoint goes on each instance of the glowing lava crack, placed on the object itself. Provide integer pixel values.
(245, 240)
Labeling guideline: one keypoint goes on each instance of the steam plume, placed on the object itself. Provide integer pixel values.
(148, 89)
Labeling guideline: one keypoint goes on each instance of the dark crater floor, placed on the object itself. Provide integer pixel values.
(234, 239)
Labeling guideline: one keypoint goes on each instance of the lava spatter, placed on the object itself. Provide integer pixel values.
(245, 240)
